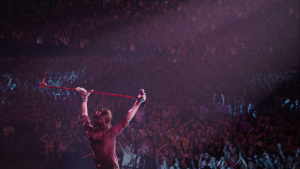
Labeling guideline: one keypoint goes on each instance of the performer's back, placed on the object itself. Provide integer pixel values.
(103, 143)
(102, 136)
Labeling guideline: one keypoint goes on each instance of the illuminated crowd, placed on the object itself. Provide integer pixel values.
(220, 125)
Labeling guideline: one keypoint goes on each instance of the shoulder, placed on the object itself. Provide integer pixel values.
(86, 120)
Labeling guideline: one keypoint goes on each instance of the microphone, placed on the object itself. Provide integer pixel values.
(142, 92)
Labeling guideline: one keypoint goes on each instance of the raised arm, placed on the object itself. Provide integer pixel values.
(214, 99)
(241, 104)
(193, 164)
(250, 132)
(200, 162)
(297, 153)
(281, 152)
(206, 97)
(156, 159)
(157, 151)
(223, 100)
(197, 103)
(243, 161)
(200, 124)
(124, 122)
(269, 161)
(121, 147)
(165, 162)
(287, 100)
(249, 107)
(177, 164)
(85, 96)
(256, 161)
(43, 138)
(230, 107)
(225, 147)
(135, 107)
(234, 102)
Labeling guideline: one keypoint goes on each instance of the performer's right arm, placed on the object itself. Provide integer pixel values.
(85, 95)
(84, 112)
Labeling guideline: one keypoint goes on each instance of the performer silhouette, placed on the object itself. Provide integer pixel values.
(102, 135)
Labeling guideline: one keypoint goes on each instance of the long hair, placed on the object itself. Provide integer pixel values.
(102, 119)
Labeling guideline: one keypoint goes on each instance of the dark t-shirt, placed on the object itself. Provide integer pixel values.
(141, 161)
(77, 148)
(219, 152)
(48, 126)
(103, 143)
(120, 157)
(189, 164)
(149, 162)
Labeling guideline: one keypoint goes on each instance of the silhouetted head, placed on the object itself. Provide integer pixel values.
(102, 119)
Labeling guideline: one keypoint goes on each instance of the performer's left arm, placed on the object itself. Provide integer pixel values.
(135, 107)
(116, 130)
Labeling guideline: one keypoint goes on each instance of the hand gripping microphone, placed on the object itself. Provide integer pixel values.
(142, 92)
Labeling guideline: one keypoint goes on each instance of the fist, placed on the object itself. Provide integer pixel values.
(222, 159)
(279, 145)
(83, 92)
(142, 95)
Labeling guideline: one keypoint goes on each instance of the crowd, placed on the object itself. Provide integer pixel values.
(172, 26)
(221, 77)
(193, 118)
